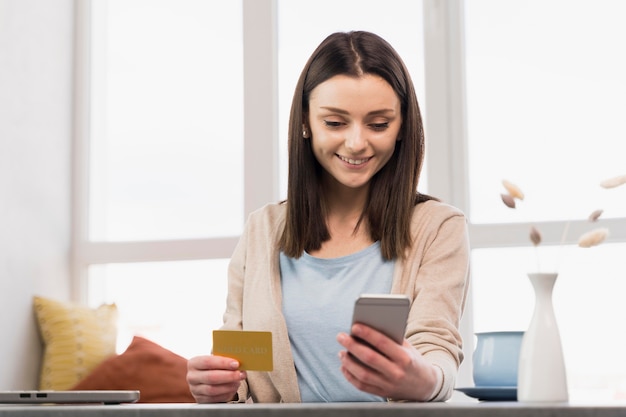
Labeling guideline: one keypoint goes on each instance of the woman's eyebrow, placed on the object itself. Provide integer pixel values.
(342, 111)
(335, 110)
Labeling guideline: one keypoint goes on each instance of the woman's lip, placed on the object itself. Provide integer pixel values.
(354, 161)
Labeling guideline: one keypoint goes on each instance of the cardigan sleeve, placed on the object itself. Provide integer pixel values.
(232, 318)
(437, 276)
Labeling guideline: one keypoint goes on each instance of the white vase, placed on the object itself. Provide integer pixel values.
(541, 373)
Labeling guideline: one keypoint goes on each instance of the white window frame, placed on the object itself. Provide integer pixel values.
(260, 150)
(445, 126)
(446, 133)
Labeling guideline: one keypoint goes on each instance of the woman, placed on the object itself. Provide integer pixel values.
(352, 223)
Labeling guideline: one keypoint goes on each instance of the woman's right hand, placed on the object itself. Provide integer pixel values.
(213, 379)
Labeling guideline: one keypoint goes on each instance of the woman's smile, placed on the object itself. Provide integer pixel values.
(354, 162)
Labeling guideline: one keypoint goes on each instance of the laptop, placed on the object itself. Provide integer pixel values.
(69, 397)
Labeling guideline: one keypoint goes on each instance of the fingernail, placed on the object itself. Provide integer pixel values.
(234, 364)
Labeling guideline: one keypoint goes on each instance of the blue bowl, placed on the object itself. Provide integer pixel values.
(496, 358)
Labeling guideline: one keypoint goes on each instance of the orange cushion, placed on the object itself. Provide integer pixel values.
(159, 374)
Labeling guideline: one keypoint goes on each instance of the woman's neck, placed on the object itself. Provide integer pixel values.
(344, 202)
(349, 233)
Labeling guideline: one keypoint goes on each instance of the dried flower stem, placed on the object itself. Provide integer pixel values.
(538, 257)
(562, 245)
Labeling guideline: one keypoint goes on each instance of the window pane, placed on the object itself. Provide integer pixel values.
(545, 91)
(175, 304)
(303, 25)
(588, 303)
(167, 119)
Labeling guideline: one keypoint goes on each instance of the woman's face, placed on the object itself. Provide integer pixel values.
(354, 124)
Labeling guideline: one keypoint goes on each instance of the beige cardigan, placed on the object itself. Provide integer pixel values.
(435, 276)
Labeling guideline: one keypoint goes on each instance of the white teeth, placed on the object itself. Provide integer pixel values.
(353, 161)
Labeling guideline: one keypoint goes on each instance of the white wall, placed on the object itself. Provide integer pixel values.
(35, 150)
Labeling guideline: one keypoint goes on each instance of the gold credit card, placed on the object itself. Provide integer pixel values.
(253, 350)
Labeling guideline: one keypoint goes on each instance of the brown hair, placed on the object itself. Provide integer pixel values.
(393, 190)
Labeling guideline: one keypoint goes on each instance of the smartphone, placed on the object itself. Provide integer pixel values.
(387, 313)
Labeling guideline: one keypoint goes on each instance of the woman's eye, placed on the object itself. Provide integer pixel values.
(330, 123)
(379, 126)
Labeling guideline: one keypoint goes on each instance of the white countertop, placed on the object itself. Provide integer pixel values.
(449, 409)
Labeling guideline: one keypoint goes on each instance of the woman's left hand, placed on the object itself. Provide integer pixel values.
(386, 368)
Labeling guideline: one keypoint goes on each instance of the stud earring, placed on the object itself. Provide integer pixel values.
(305, 133)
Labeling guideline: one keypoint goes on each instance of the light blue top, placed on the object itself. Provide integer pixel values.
(318, 301)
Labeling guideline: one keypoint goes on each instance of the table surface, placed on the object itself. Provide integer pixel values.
(449, 409)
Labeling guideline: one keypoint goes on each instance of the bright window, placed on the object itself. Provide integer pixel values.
(545, 91)
(545, 104)
(165, 164)
(177, 303)
(167, 120)
(537, 100)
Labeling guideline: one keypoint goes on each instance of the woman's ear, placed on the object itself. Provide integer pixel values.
(306, 133)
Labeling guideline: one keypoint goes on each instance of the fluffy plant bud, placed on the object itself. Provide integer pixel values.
(535, 236)
(508, 200)
(593, 238)
(513, 190)
(613, 182)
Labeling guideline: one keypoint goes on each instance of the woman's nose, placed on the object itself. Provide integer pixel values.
(356, 140)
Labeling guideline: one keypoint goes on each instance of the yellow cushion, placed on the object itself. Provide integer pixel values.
(76, 339)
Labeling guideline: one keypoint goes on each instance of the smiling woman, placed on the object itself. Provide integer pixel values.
(347, 229)
(163, 191)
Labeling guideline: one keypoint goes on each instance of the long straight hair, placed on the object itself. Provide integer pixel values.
(393, 190)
